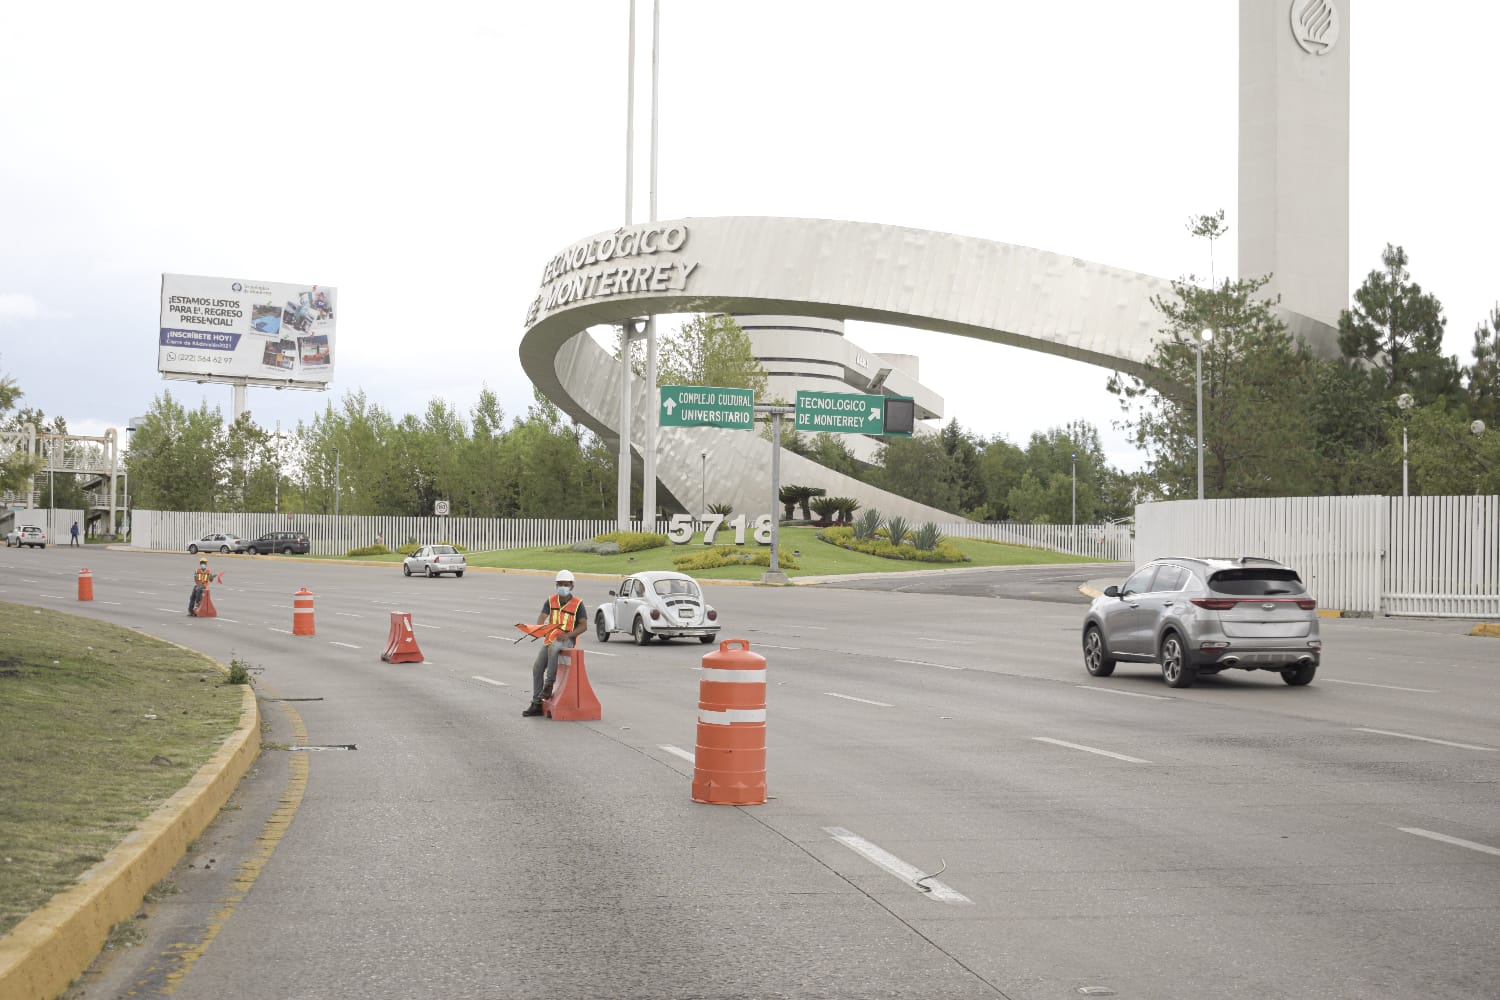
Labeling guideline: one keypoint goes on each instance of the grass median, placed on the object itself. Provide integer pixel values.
(810, 556)
(99, 725)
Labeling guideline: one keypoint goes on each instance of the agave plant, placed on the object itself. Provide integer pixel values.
(868, 523)
(897, 528)
(927, 537)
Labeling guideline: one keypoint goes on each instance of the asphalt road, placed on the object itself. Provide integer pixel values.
(1096, 837)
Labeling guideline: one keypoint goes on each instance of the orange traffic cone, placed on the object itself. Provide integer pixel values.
(206, 607)
(401, 645)
(85, 585)
(573, 698)
(302, 613)
(729, 763)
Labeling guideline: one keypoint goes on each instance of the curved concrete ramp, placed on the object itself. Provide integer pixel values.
(812, 267)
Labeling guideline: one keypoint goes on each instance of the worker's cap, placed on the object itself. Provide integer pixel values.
(202, 562)
(564, 576)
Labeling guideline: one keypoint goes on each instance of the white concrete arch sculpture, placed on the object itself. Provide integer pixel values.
(814, 267)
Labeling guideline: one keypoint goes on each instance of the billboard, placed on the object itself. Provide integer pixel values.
(256, 331)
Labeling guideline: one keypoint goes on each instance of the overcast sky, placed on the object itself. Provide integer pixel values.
(428, 159)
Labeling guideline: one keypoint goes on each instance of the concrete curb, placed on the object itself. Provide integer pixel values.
(44, 953)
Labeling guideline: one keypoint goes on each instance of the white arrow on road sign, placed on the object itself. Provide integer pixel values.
(669, 405)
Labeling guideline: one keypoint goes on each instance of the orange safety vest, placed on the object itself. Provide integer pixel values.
(562, 614)
(203, 577)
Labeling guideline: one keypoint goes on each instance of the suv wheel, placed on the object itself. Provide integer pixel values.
(1298, 676)
(288, 551)
(1176, 669)
(1096, 660)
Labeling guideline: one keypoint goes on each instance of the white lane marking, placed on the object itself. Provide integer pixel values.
(146, 593)
(460, 611)
(110, 602)
(767, 645)
(1455, 841)
(425, 625)
(850, 697)
(169, 611)
(1108, 690)
(888, 861)
(53, 597)
(929, 663)
(346, 645)
(933, 638)
(486, 680)
(1388, 687)
(600, 652)
(1427, 739)
(1080, 746)
(685, 755)
(347, 614)
(232, 621)
(283, 631)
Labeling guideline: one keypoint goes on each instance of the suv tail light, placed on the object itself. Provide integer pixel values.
(1215, 603)
(1307, 604)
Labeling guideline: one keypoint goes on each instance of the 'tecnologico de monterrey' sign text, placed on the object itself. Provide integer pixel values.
(618, 263)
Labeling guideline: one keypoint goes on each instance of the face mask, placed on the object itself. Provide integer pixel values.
(563, 590)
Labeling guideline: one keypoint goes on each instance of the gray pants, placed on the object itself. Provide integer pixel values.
(196, 599)
(544, 667)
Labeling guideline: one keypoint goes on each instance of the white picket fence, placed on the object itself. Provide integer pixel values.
(331, 535)
(1423, 556)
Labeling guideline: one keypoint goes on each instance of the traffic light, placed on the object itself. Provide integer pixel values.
(900, 415)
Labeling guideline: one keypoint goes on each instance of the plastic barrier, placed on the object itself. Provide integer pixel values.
(206, 607)
(401, 645)
(573, 698)
(85, 585)
(302, 613)
(729, 762)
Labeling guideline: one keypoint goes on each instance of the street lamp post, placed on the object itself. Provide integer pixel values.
(1203, 338)
(703, 487)
(1404, 403)
(337, 461)
(1075, 487)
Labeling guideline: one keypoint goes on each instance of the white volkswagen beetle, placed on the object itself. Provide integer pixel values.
(657, 603)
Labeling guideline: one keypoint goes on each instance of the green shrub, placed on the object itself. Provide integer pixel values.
(732, 555)
(633, 541)
(827, 508)
(944, 552)
(239, 672)
(597, 548)
(370, 550)
(927, 537)
(896, 529)
(721, 508)
(868, 524)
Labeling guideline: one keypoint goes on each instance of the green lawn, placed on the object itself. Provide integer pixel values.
(99, 725)
(805, 556)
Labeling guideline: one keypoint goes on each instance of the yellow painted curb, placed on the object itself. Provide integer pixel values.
(52, 947)
(1329, 613)
(1491, 629)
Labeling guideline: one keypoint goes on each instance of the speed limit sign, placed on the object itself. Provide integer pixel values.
(440, 508)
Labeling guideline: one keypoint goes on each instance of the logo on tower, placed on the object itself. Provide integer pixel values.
(1315, 25)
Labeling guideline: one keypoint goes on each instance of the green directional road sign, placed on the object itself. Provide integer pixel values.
(707, 406)
(845, 413)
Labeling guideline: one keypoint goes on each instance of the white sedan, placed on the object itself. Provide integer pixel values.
(657, 603)
(435, 560)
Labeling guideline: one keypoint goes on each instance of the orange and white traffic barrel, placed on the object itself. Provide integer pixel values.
(302, 613)
(729, 763)
(85, 585)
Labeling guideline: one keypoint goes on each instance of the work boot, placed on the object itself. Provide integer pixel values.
(535, 708)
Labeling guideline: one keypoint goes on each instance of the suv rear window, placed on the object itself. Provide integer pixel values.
(1256, 582)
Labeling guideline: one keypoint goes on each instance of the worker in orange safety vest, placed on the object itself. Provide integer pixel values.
(567, 613)
(201, 579)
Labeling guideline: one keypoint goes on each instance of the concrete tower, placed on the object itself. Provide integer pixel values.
(1294, 152)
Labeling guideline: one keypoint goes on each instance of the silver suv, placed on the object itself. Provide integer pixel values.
(1198, 616)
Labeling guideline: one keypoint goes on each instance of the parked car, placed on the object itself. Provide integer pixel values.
(658, 603)
(221, 541)
(435, 560)
(286, 542)
(27, 534)
(1199, 616)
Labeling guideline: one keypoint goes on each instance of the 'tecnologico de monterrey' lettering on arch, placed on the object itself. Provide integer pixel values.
(602, 266)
